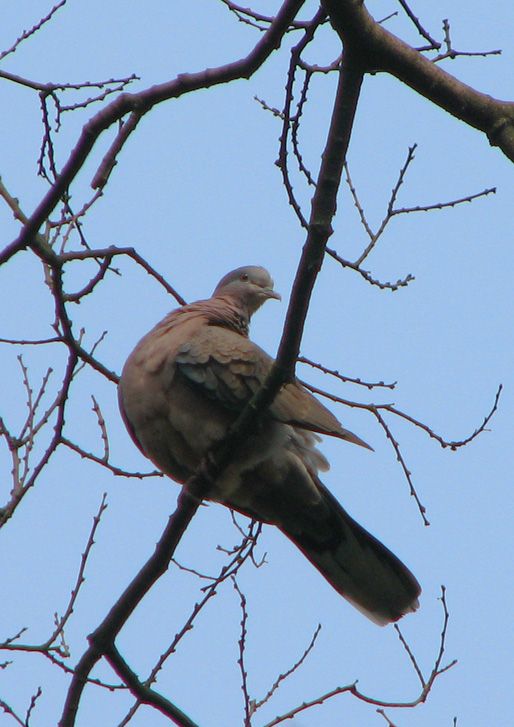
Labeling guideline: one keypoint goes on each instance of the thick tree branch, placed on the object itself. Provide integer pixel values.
(367, 48)
(144, 693)
(102, 639)
(323, 210)
(380, 50)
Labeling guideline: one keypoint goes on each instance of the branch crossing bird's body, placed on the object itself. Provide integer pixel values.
(184, 385)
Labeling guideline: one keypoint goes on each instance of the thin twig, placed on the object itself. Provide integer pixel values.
(248, 706)
(240, 11)
(451, 53)
(384, 715)
(103, 429)
(143, 692)
(291, 670)
(443, 205)
(400, 458)
(290, 121)
(109, 161)
(346, 379)
(376, 410)
(62, 621)
(10, 711)
(451, 444)
(243, 552)
(374, 236)
(118, 471)
(60, 403)
(434, 44)
(32, 704)
(401, 283)
(352, 689)
(27, 33)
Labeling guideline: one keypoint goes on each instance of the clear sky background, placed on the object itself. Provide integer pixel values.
(197, 192)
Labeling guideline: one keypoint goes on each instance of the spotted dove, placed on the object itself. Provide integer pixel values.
(184, 385)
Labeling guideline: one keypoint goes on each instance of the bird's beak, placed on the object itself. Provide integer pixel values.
(270, 293)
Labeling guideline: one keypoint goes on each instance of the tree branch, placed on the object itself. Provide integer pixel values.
(380, 50)
(323, 209)
(141, 103)
(144, 693)
(322, 212)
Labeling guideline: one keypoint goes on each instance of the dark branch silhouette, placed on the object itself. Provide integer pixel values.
(366, 47)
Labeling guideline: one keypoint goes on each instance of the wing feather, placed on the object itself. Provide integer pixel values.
(229, 369)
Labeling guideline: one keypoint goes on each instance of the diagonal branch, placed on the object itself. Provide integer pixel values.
(27, 33)
(380, 50)
(102, 639)
(141, 103)
(144, 692)
(426, 684)
(322, 212)
(323, 209)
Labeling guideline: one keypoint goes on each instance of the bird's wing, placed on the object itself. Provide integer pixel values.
(229, 369)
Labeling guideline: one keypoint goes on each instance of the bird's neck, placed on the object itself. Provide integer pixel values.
(227, 312)
(221, 311)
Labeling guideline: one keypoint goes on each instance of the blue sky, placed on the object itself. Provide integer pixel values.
(197, 193)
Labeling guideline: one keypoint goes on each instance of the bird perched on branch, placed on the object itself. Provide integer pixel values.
(185, 384)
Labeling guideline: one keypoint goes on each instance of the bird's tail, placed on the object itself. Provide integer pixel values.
(354, 562)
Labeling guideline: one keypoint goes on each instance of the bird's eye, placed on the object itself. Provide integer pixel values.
(244, 276)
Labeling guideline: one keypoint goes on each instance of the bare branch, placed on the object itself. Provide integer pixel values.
(346, 379)
(109, 161)
(118, 471)
(384, 715)
(376, 409)
(20, 489)
(61, 621)
(142, 102)
(145, 694)
(290, 121)
(13, 203)
(89, 288)
(452, 444)
(103, 430)
(240, 554)
(50, 88)
(10, 711)
(451, 53)
(322, 212)
(380, 50)
(108, 90)
(12, 639)
(249, 707)
(27, 33)
(32, 704)
(437, 669)
(352, 689)
(248, 16)
(442, 205)
(366, 49)
(434, 44)
(394, 193)
(402, 283)
(46, 648)
(390, 213)
(406, 471)
(289, 671)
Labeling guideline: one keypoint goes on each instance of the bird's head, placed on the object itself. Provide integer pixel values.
(249, 286)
